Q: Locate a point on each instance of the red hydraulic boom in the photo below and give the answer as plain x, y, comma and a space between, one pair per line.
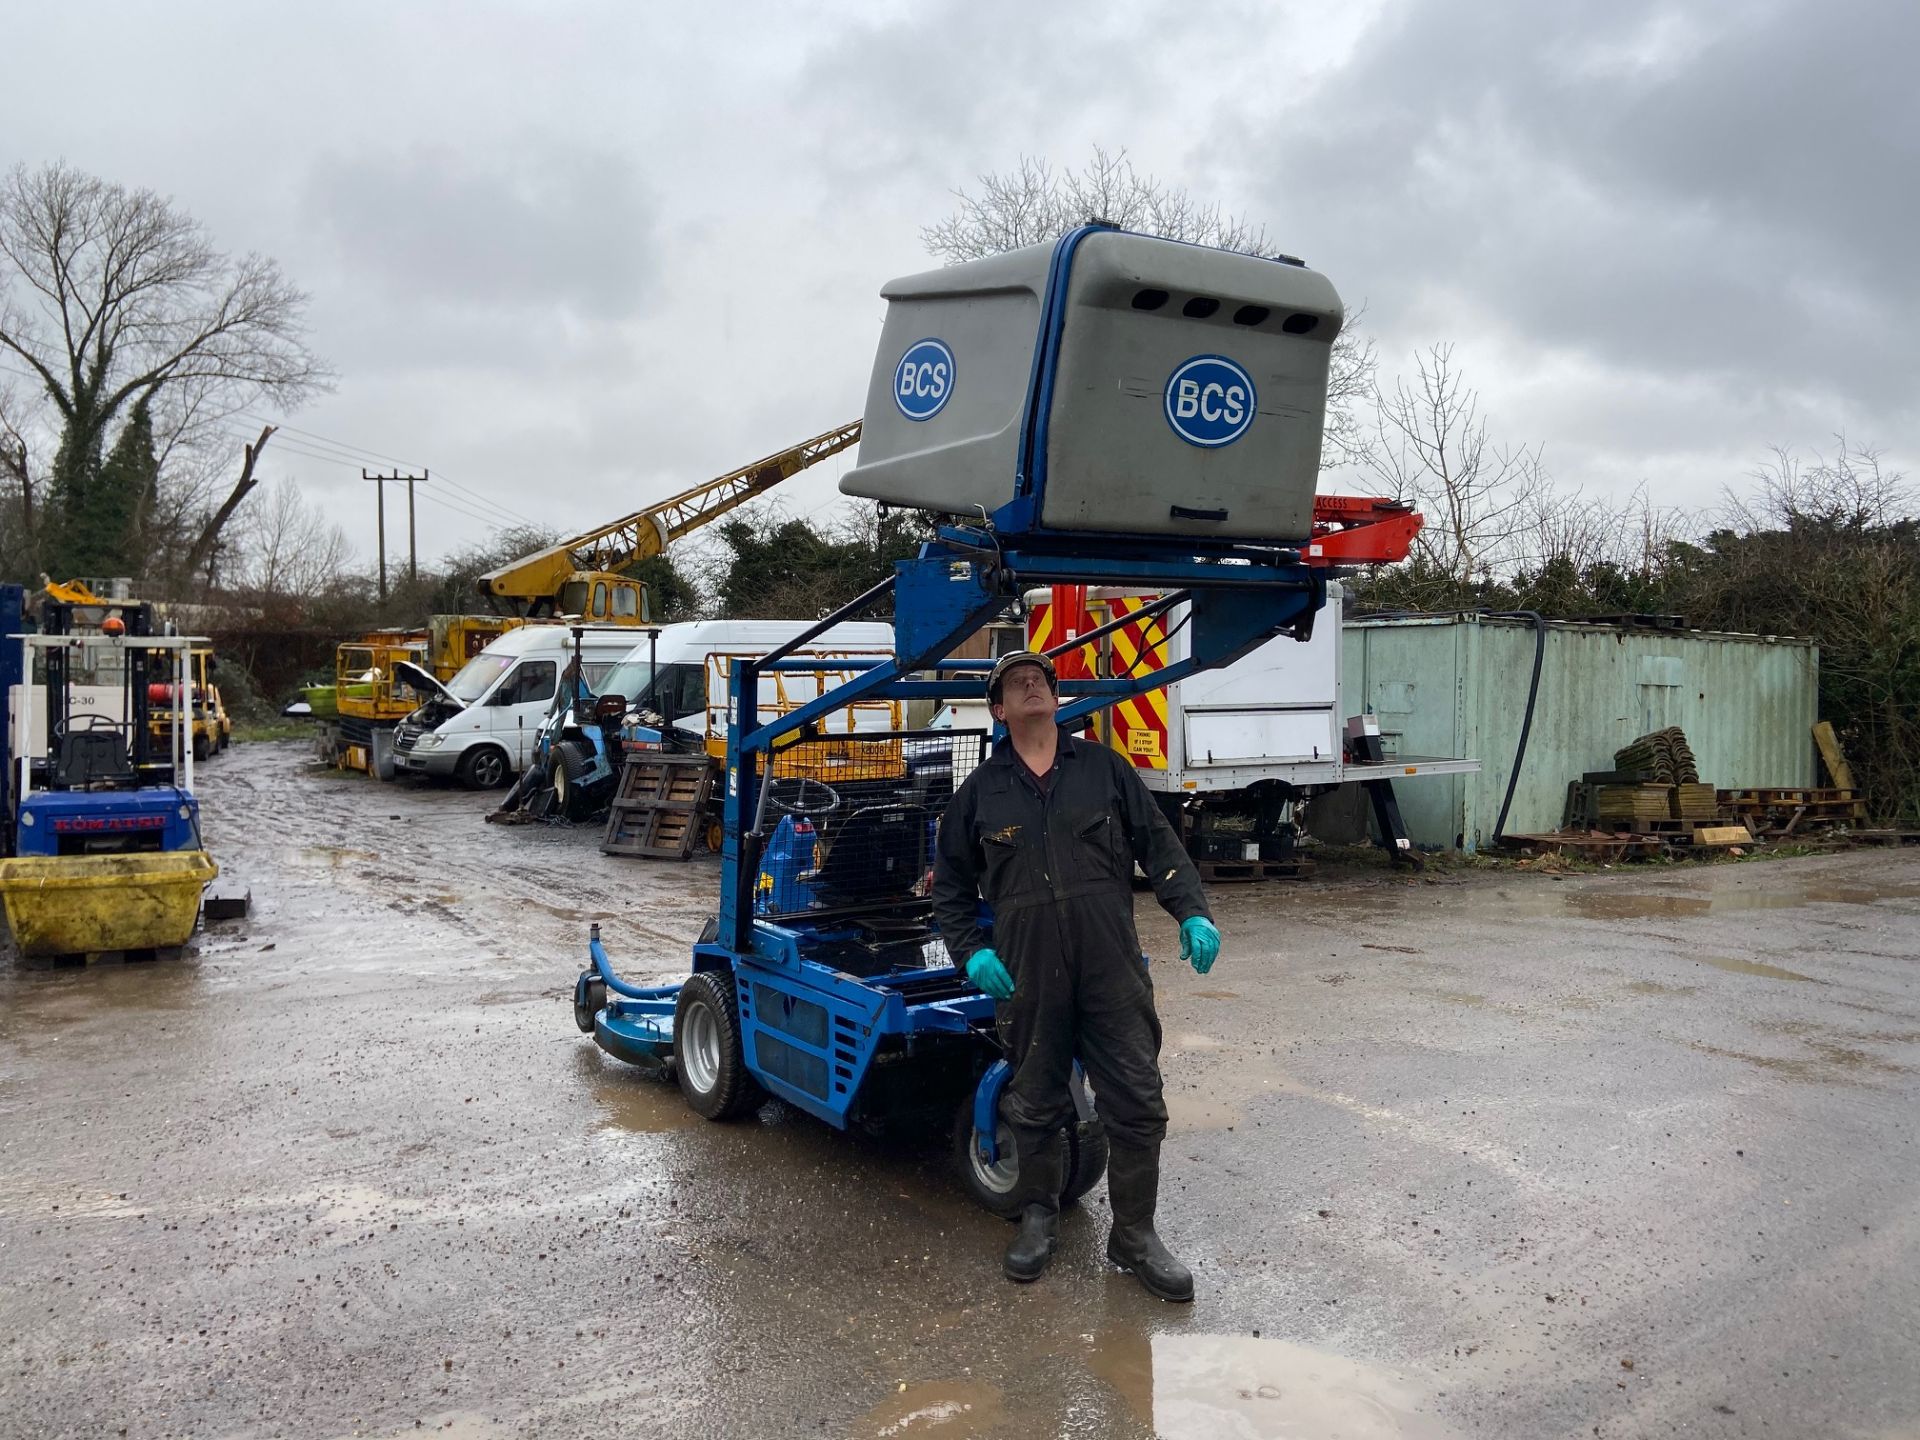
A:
1360, 530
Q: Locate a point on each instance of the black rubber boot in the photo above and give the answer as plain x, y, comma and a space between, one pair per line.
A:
1027, 1257
1042, 1172
1133, 1186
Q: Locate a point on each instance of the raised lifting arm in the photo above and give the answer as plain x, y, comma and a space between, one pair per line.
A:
608, 550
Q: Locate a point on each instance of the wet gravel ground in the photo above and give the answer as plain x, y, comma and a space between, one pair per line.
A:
1490, 1154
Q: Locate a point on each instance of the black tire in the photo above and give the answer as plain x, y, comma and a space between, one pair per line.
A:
589, 999
1086, 1159
570, 762
484, 768
993, 1187
709, 1060
200, 749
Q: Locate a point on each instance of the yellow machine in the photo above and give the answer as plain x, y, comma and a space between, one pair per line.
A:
585, 576
212, 729
582, 577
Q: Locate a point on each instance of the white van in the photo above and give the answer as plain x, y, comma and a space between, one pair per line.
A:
683, 674
480, 726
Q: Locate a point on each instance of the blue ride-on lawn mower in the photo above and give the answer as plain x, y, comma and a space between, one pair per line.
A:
1112, 410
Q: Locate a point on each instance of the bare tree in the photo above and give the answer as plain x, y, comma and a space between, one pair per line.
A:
287, 547
1851, 491
1034, 203
112, 297
1430, 446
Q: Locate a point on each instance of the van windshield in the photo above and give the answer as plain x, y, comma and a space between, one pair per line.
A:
476, 675
629, 678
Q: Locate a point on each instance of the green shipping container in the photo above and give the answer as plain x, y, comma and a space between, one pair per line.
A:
1457, 685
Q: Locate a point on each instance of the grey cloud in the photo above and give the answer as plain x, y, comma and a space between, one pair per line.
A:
1697, 189
556, 225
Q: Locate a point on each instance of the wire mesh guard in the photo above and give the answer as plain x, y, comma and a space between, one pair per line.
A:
849, 825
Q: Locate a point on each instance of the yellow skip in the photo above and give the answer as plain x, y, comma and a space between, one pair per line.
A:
78, 904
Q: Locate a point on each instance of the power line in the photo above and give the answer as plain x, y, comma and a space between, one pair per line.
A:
363, 451
296, 447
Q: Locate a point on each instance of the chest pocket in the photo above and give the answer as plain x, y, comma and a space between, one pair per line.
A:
1099, 849
1009, 868
1011, 845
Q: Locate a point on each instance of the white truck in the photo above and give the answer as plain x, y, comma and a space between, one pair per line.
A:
1231, 753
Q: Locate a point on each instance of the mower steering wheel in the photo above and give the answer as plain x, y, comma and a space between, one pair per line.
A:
803, 796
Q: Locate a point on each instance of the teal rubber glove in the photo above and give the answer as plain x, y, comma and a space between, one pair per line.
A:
986, 971
1199, 943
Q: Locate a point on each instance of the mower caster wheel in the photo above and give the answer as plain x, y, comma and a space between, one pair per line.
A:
589, 999
708, 1058
995, 1187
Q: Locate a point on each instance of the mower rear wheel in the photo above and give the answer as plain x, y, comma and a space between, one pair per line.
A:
709, 1059
1087, 1152
589, 999
570, 762
995, 1187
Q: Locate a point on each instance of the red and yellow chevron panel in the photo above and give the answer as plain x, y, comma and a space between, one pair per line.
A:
1139, 725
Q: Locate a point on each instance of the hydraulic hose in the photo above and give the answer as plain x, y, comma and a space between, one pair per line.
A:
1526, 722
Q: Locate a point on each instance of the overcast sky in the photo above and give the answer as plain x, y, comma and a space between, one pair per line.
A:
574, 257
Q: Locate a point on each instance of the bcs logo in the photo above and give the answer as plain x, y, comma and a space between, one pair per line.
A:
923, 380
1210, 401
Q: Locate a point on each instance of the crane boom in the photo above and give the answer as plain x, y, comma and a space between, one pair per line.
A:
536, 580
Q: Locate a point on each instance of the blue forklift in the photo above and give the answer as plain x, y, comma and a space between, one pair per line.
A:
1111, 409
101, 840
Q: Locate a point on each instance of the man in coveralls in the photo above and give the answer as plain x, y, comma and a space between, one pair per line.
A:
1048, 828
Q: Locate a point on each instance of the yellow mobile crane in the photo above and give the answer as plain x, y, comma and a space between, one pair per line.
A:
585, 576
582, 577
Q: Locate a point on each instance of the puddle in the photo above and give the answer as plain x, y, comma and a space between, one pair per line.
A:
936, 1407
1197, 1112
339, 854
1601, 904
1215, 994
1830, 1062
1192, 1040
1654, 987
1239, 1387
635, 1103
562, 913
1749, 967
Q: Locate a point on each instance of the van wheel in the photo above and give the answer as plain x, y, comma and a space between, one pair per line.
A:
483, 768
570, 762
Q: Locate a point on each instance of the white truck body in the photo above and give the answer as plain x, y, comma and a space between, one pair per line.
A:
1276, 713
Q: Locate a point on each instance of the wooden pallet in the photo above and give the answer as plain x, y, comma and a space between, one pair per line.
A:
659, 811
1884, 836
1782, 812
1800, 795
1591, 845
1228, 872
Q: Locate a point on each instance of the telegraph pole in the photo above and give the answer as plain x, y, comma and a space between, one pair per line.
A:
413, 567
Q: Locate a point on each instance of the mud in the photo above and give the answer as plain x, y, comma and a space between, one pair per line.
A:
1492, 1155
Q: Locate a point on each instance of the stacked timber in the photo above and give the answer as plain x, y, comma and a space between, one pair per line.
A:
1696, 802
1615, 803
